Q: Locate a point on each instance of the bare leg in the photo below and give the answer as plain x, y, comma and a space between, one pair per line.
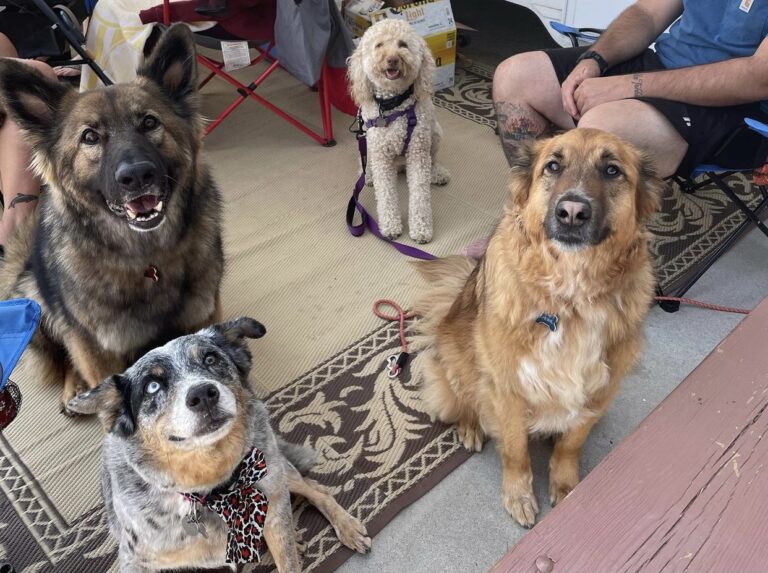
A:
643, 125
526, 96
18, 184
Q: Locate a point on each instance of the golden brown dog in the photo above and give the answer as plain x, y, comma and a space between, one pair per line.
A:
535, 337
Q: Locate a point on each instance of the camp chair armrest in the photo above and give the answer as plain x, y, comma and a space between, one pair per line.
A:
587, 35
757, 126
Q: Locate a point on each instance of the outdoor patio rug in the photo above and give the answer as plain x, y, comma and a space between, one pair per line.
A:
686, 229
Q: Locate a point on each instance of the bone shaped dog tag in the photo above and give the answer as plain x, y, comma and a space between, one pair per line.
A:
190, 527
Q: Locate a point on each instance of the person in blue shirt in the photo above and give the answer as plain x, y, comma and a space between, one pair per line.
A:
679, 100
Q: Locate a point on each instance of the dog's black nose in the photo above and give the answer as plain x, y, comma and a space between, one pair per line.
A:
134, 176
573, 212
393, 61
202, 396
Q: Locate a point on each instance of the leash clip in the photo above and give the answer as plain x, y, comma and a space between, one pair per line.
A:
360, 131
396, 363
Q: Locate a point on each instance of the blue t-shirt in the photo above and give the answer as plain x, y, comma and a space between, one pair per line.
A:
713, 30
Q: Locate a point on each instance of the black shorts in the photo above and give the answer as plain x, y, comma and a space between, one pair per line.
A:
707, 130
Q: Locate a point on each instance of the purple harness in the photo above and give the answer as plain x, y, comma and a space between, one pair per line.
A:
366, 220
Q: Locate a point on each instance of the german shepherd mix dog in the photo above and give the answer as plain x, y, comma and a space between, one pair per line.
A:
535, 337
184, 418
127, 252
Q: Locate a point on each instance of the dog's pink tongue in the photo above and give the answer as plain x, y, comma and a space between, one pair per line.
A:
143, 204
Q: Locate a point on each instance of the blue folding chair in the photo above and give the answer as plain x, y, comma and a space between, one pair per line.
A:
702, 176
18, 320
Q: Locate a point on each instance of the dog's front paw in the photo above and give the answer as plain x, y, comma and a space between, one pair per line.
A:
392, 230
67, 411
353, 534
523, 507
563, 477
68, 404
471, 435
421, 235
559, 491
440, 175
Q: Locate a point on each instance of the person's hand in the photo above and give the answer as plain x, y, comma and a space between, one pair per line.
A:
584, 70
595, 91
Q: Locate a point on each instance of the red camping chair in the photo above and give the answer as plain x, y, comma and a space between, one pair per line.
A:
262, 39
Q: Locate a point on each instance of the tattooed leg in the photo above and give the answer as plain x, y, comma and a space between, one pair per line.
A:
18, 184
517, 122
22, 198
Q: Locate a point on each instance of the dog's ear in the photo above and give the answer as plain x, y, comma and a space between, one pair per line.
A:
230, 337
649, 189
521, 162
31, 100
360, 87
172, 66
111, 400
424, 85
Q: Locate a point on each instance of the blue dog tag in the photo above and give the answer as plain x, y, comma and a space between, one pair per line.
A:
548, 320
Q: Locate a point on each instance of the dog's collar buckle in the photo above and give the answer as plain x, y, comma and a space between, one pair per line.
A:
390, 103
549, 320
151, 272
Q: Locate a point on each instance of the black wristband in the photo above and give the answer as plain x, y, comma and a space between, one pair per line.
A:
593, 55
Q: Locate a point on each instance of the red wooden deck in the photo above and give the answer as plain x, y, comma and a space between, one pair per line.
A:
686, 491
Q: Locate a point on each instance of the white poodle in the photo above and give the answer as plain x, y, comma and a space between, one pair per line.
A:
391, 74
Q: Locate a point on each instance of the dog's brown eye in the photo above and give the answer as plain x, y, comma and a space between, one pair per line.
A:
612, 171
90, 137
553, 167
149, 122
211, 359
402, 44
379, 45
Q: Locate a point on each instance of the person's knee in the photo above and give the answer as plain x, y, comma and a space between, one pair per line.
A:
516, 75
7, 49
43, 68
603, 117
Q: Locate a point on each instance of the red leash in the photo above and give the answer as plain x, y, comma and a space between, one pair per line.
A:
396, 362
700, 304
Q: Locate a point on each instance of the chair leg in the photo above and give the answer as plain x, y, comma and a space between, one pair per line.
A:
750, 214
325, 106
667, 305
736, 234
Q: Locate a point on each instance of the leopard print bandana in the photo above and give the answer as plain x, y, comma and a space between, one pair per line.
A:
243, 508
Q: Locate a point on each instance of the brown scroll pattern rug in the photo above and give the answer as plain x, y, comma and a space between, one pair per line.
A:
687, 228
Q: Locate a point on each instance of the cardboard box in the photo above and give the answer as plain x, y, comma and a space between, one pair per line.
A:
432, 20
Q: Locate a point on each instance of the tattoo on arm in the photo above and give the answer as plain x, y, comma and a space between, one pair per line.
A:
517, 123
22, 198
637, 83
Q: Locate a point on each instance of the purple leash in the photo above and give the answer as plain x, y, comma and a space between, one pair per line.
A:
366, 220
